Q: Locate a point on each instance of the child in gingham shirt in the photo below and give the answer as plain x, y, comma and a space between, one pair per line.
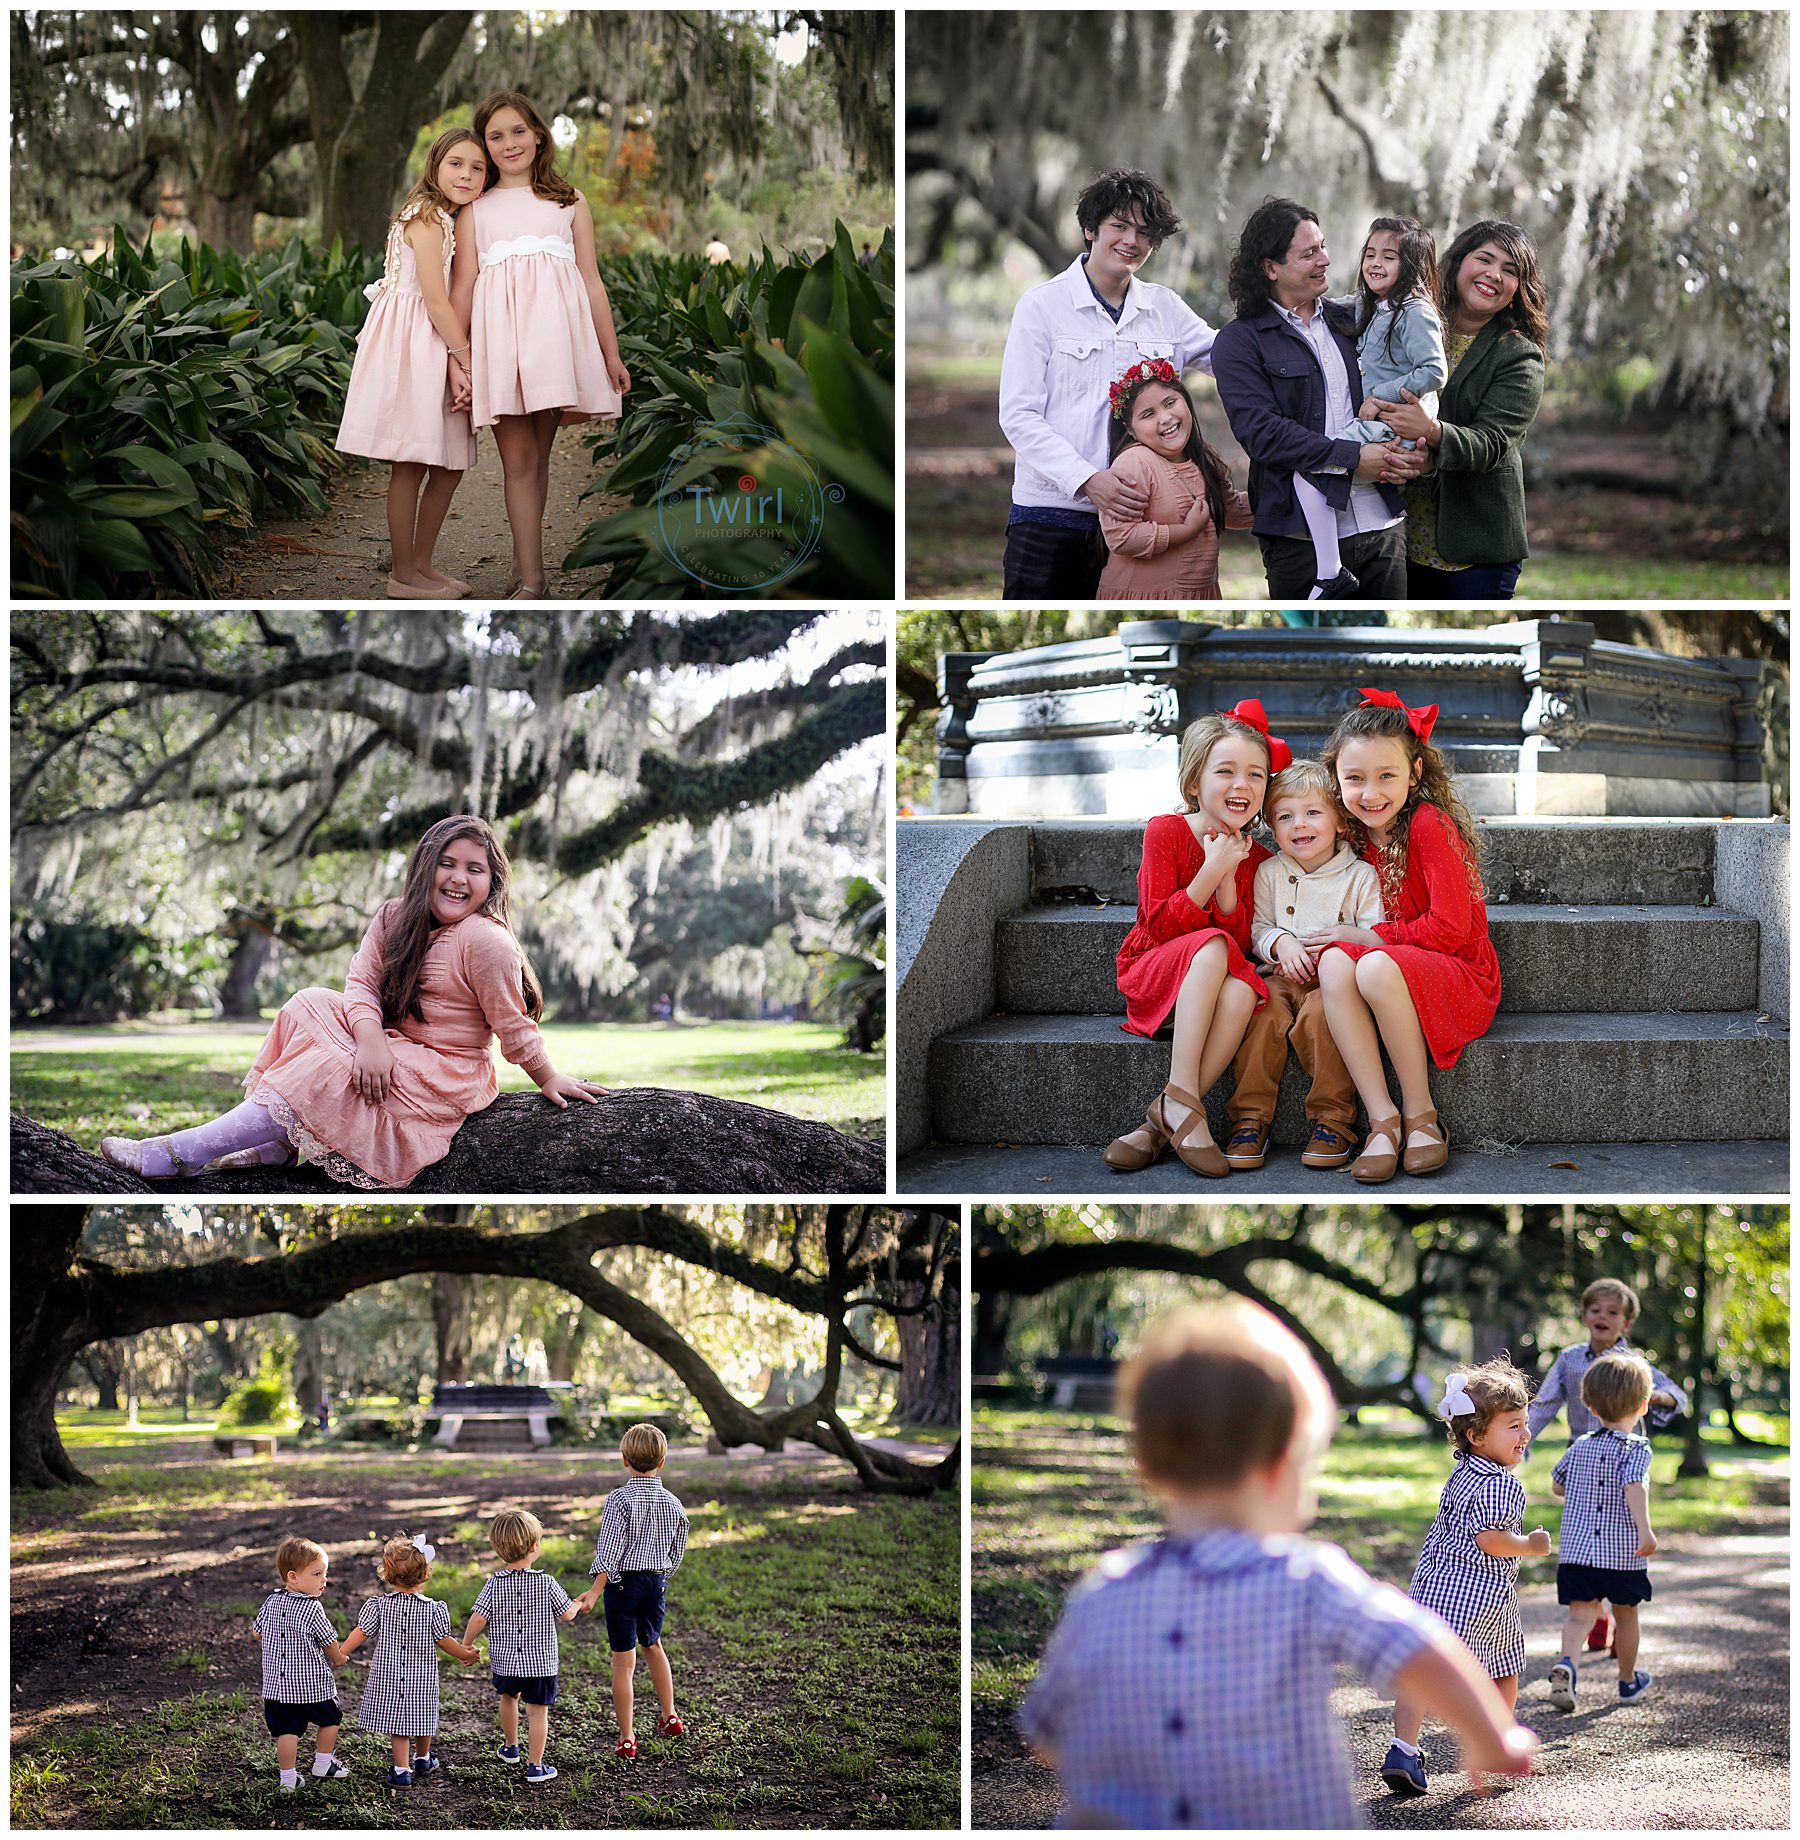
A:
401, 1698
1189, 1681
299, 1650
643, 1533
1604, 1481
1468, 1570
520, 1608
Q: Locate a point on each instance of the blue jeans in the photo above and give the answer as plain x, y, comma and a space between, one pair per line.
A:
1486, 581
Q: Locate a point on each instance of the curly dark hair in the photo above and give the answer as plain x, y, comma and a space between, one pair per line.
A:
1125, 189
1267, 233
1528, 313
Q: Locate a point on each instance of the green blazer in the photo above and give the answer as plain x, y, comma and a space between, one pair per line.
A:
1486, 408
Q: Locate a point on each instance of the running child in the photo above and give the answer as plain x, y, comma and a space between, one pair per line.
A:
299, 1650
1185, 958
1468, 1570
372, 1083
1189, 1681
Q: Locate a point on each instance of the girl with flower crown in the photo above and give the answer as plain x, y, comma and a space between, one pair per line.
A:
1170, 550
1468, 1570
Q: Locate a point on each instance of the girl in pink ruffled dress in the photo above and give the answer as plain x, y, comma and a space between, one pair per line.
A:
372, 1083
527, 286
408, 400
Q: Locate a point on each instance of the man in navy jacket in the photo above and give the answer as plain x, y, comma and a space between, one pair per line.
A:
1290, 385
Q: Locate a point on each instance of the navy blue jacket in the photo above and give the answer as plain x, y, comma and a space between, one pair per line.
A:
1273, 394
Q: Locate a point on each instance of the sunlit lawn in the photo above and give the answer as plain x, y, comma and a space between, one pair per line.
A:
1052, 1492
82, 1081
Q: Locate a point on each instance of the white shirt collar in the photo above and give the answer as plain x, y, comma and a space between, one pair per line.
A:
1081, 293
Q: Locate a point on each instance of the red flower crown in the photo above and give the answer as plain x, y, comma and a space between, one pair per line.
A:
1151, 370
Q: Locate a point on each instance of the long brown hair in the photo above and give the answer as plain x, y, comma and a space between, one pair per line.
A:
410, 928
1215, 477
1435, 785
1527, 313
427, 192
1418, 273
546, 181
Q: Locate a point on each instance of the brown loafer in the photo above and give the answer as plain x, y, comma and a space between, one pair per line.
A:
1248, 1145
1328, 1147
1203, 1159
1379, 1165
1427, 1157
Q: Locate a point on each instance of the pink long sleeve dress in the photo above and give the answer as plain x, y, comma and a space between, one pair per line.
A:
1140, 563
471, 991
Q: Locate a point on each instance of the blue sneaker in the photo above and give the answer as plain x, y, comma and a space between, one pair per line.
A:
426, 1765
1562, 1685
398, 1779
1403, 1772
540, 1772
1636, 1686
509, 1753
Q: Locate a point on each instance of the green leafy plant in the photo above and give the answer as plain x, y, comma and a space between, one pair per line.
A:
853, 978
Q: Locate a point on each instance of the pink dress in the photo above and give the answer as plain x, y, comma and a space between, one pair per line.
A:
532, 325
398, 403
471, 990
1140, 564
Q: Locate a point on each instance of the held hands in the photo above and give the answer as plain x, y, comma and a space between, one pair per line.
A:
461, 389
372, 1069
465, 1652
1340, 936
560, 1088
1539, 1541
1123, 498
1410, 421
1296, 962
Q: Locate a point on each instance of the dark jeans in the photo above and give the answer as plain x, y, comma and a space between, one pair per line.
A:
1049, 564
1377, 558
1486, 581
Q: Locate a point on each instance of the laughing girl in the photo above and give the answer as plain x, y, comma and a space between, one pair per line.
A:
373, 1084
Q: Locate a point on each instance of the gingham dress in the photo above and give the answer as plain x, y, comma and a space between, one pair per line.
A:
1475, 1592
294, 1628
1189, 1682
1597, 1528
401, 1699
521, 1609
643, 1528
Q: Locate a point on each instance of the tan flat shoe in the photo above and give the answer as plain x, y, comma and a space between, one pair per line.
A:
1379, 1165
1127, 1157
1203, 1159
1427, 1157
407, 591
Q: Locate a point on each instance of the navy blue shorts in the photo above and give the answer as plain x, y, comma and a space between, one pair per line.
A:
533, 1689
634, 1610
285, 1721
1587, 1584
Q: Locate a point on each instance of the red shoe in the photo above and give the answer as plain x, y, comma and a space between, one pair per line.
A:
626, 1748
671, 1727
1597, 1636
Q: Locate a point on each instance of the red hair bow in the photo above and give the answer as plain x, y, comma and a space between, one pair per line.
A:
1250, 713
1420, 721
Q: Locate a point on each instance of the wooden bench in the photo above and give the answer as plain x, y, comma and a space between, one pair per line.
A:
245, 1444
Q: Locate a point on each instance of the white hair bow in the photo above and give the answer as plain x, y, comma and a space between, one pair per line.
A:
1456, 1401
425, 1546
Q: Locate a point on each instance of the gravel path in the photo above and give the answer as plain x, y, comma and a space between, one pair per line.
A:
343, 556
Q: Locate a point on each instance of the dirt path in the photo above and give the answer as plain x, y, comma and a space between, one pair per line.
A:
343, 556
1707, 1747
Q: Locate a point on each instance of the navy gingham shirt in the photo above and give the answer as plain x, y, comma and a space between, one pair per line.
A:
1189, 1682
1597, 1528
294, 1629
643, 1528
1562, 1385
522, 1608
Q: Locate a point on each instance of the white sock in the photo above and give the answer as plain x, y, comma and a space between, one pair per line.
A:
290, 1779
1412, 1750
1321, 526
322, 1762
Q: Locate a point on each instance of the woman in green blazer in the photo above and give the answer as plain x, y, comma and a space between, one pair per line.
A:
1465, 520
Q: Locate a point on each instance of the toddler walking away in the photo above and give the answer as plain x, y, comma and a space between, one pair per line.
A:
401, 1698
1609, 1307
643, 1533
1399, 346
1189, 1681
1185, 957
373, 1083
1603, 1479
1169, 551
520, 1608
1314, 879
299, 1650
1424, 982
1468, 1570
527, 288
408, 399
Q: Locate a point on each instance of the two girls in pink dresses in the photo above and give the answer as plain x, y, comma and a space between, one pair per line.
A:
506, 326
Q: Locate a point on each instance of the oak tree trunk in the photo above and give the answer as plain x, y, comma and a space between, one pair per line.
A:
450, 1314
930, 1371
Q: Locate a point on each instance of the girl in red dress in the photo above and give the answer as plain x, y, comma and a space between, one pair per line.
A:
1425, 981
1186, 957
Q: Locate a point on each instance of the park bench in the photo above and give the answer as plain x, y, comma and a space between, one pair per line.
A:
1079, 1382
245, 1444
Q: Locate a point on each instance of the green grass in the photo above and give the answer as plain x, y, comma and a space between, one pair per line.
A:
81, 1081
814, 1633
85, 1427
1052, 1492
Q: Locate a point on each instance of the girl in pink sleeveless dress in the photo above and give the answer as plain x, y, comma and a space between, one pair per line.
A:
372, 1082
408, 400
527, 286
